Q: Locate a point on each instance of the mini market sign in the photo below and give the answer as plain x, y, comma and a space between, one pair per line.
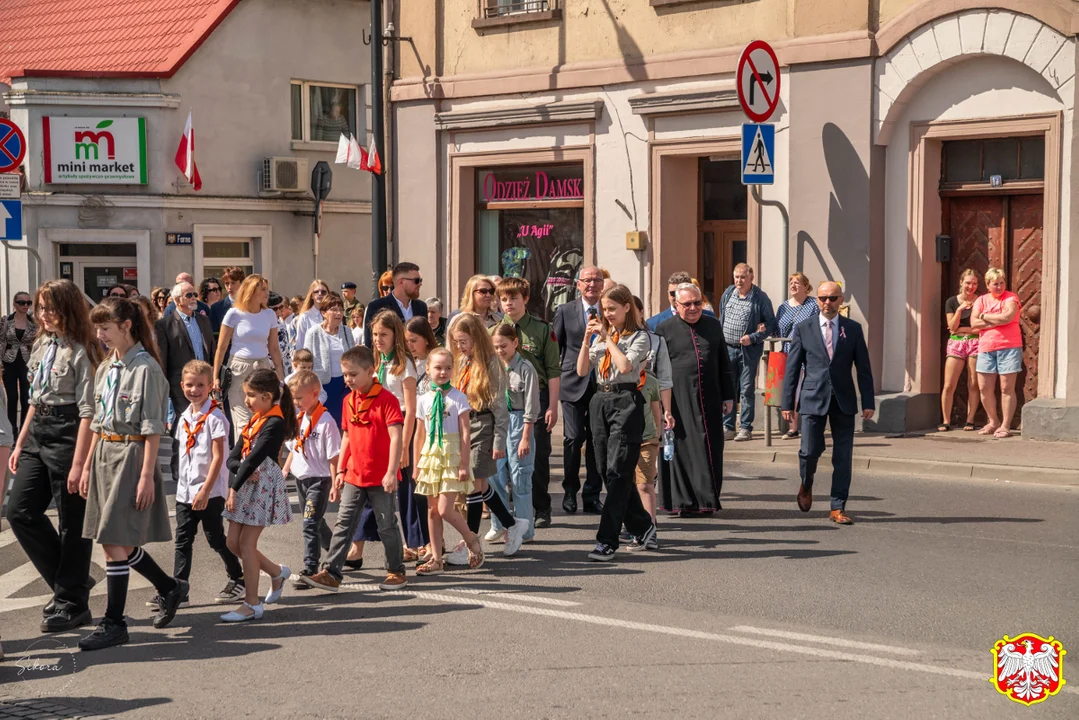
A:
95, 151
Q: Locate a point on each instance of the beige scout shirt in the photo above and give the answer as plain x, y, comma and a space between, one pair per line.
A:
523, 387
69, 382
141, 402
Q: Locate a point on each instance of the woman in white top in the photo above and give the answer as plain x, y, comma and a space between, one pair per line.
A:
327, 342
310, 314
251, 330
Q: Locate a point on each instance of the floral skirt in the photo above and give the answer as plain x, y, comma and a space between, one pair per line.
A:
437, 471
263, 500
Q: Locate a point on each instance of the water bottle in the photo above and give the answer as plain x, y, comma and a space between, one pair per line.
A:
668, 444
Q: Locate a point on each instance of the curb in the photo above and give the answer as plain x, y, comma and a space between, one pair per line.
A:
933, 468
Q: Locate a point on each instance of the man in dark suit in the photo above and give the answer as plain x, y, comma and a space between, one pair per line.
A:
576, 392
182, 337
829, 346
404, 300
231, 279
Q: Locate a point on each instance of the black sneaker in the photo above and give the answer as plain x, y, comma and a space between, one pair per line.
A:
107, 634
155, 602
642, 542
233, 592
626, 536
170, 603
602, 553
65, 620
543, 519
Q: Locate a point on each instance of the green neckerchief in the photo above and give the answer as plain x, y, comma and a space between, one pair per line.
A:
438, 410
509, 402
382, 365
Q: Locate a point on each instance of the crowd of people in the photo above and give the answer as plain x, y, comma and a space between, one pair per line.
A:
407, 416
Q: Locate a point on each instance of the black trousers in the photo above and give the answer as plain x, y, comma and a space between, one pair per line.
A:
842, 450
17, 387
62, 557
213, 526
617, 425
541, 473
578, 433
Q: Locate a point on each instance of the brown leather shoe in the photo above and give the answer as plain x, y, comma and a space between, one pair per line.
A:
840, 518
805, 498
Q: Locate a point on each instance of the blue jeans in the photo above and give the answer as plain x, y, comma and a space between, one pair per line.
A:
516, 473
745, 371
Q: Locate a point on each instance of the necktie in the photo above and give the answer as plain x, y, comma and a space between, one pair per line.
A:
41, 377
828, 338
112, 387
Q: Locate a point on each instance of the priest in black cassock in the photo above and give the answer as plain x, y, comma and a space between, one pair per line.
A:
704, 389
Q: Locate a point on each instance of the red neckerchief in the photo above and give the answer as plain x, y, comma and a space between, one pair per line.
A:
192, 435
605, 363
302, 438
356, 415
254, 425
465, 377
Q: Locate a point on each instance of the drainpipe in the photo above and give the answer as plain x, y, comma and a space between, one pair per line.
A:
7, 268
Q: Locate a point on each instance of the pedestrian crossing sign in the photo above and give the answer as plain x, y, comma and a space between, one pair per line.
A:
758, 153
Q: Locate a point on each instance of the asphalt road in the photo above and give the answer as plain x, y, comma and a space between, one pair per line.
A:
760, 612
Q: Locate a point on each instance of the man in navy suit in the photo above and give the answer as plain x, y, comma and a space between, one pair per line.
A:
404, 300
828, 346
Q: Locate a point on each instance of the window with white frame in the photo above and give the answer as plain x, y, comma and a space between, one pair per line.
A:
322, 112
221, 253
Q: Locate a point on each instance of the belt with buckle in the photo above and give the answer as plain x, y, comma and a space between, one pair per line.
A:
68, 410
609, 387
109, 437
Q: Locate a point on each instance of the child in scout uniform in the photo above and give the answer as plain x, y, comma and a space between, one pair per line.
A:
312, 463
647, 462
125, 495
203, 479
522, 399
538, 346
52, 448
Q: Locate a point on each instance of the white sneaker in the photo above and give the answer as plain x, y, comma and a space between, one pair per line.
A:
457, 556
743, 435
495, 536
515, 536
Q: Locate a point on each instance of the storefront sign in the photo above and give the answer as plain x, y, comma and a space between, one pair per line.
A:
537, 185
178, 238
536, 231
131, 274
101, 151
104, 281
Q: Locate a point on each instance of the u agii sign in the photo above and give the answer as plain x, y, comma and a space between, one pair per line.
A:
98, 151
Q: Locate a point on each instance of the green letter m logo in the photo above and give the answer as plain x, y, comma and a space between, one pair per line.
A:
83, 151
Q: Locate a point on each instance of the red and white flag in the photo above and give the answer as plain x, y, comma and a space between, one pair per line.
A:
350, 153
185, 156
372, 162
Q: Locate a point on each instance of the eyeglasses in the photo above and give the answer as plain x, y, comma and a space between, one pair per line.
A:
485, 291
320, 291
692, 303
24, 303
829, 298
47, 310
417, 280
592, 281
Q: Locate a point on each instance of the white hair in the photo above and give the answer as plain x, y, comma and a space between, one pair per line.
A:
688, 286
178, 289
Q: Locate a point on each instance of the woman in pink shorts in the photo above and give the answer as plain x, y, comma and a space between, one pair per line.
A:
962, 350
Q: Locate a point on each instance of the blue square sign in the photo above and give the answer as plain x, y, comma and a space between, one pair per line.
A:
11, 217
758, 154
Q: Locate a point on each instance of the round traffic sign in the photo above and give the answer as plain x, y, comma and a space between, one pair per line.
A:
12, 146
758, 81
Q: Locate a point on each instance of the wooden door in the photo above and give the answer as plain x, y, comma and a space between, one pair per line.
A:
1003, 231
721, 245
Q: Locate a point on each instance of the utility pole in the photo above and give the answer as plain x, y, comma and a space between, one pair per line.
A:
378, 182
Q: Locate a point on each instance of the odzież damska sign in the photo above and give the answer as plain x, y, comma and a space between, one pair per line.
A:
531, 185
95, 151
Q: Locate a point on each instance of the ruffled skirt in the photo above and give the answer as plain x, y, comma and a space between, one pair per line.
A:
263, 500
437, 471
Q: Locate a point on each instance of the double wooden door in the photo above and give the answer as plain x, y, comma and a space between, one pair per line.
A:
1002, 231
721, 244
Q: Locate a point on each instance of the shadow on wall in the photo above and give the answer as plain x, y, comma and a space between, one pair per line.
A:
848, 207
627, 47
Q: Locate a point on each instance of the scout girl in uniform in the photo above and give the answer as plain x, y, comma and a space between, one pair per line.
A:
124, 491
51, 450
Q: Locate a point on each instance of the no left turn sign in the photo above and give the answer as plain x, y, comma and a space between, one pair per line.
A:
758, 81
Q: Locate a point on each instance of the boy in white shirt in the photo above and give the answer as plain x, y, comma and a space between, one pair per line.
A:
304, 360
312, 464
203, 480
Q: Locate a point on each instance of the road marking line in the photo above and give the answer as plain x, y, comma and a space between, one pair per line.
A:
371, 587
839, 642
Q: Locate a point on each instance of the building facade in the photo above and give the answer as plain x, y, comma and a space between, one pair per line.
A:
536, 136
270, 85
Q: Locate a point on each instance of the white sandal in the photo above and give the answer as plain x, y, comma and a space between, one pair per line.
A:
236, 616
275, 593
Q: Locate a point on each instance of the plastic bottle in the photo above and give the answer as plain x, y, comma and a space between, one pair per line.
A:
668, 444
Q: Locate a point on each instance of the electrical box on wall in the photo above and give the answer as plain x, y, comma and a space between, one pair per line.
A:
636, 240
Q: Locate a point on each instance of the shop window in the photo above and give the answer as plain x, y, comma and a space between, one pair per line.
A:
501, 8
977, 161
530, 224
323, 112
723, 196
220, 254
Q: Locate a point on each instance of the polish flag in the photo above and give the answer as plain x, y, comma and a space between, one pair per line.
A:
350, 153
372, 161
185, 156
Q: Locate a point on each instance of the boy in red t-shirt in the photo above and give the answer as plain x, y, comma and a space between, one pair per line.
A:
370, 457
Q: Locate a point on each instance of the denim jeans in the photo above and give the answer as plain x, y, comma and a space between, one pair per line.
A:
745, 371
516, 473
314, 495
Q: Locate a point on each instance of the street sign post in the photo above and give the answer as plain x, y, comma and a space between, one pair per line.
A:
10, 186
758, 81
12, 146
11, 219
758, 154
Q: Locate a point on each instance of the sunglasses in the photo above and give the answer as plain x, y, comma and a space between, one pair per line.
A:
213, 288
119, 295
672, 293
386, 288
418, 281
189, 295
692, 303
24, 303
485, 291
829, 298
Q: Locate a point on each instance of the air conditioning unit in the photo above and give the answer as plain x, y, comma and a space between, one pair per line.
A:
285, 174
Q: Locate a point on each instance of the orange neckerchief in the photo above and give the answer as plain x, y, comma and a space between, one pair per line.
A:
302, 437
356, 415
192, 435
465, 377
605, 363
254, 425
